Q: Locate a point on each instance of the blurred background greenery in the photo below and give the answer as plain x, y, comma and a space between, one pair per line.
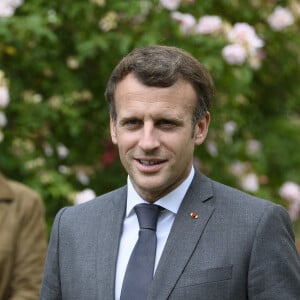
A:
55, 59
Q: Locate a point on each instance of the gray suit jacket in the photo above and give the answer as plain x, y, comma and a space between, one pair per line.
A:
240, 247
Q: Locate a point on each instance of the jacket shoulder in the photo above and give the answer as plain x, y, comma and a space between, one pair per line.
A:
100, 205
236, 197
20, 190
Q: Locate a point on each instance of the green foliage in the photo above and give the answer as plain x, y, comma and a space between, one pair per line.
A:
57, 57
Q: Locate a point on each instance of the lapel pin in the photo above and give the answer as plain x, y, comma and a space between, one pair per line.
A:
194, 215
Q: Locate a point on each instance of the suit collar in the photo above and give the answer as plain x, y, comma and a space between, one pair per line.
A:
201, 188
184, 236
6, 194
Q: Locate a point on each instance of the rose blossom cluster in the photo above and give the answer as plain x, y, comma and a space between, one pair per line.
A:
244, 45
4, 101
280, 18
205, 25
8, 7
290, 191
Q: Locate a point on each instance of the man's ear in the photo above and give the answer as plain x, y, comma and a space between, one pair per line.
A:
113, 132
201, 129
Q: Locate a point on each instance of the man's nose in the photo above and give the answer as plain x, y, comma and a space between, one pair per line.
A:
149, 139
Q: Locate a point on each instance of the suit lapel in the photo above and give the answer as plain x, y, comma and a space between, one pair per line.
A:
184, 236
6, 199
110, 229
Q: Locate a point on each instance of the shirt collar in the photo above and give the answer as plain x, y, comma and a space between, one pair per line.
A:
171, 201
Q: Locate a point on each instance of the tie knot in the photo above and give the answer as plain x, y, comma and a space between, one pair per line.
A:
147, 215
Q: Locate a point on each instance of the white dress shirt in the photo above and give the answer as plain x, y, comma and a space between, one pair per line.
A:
171, 202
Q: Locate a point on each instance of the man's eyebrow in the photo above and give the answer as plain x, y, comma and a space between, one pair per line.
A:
123, 120
169, 119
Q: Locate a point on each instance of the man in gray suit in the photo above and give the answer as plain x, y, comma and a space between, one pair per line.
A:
213, 242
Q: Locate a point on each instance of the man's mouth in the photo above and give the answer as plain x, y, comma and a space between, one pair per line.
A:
150, 162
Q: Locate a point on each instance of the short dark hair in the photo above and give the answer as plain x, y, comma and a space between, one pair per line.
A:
162, 66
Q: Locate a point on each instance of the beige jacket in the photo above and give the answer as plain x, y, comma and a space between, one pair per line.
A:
23, 241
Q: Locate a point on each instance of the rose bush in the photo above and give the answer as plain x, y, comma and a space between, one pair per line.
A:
57, 56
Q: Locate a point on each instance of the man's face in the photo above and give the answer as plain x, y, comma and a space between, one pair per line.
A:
155, 135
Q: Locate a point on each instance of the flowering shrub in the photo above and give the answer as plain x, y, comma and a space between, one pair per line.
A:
55, 61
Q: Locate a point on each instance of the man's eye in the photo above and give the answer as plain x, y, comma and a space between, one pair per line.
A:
167, 124
131, 123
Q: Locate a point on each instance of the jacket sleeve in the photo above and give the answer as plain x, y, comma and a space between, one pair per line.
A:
30, 249
274, 270
51, 288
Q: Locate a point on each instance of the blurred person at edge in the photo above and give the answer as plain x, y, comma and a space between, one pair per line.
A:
213, 242
23, 241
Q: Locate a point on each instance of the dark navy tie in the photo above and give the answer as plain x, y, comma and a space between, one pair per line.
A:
140, 268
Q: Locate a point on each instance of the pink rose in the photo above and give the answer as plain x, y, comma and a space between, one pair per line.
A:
290, 191
280, 18
250, 182
243, 33
186, 21
170, 4
209, 24
234, 54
